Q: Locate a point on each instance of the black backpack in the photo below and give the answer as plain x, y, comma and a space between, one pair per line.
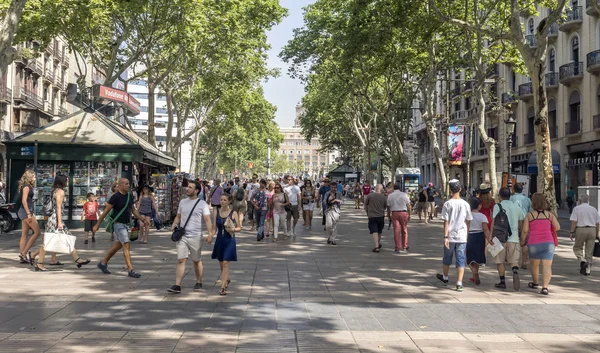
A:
239, 195
501, 229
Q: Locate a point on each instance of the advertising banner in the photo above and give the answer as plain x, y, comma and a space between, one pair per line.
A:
456, 136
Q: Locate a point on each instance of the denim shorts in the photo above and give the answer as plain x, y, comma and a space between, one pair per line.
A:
541, 251
461, 254
122, 232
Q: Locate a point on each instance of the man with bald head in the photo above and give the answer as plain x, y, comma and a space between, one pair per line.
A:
375, 205
585, 228
117, 203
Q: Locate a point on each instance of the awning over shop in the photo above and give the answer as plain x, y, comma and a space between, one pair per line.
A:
405, 171
532, 163
87, 136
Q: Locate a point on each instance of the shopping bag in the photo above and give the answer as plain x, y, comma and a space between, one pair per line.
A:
596, 249
60, 242
495, 248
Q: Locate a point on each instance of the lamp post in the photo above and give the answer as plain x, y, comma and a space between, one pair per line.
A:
268, 157
511, 123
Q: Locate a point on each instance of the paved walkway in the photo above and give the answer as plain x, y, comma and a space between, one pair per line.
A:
298, 295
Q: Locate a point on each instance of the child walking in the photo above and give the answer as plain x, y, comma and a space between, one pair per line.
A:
89, 215
457, 217
479, 236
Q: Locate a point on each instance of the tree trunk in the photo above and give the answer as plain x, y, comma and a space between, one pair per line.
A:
169, 142
469, 152
8, 28
429, 91
195, 153
543, 148
151, 108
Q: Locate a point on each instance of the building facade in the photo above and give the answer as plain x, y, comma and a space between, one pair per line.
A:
139, 90
573, 91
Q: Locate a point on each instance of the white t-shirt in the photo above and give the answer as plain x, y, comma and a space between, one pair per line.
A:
585, 215
456, 212
194, 227
251, 188
477, 222
293, 191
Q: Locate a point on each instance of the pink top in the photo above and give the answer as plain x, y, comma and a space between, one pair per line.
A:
540, 230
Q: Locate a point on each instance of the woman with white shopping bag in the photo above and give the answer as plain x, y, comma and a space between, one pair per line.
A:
56, 237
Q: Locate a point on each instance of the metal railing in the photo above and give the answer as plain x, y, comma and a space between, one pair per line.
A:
574, 14
34, 100
508, 98
62, 112
553, 31
552, 79
530, 39
573, 127
569, 70
526, 89
5, 93
593, 58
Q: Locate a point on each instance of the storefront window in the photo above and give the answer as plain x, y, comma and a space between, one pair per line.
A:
94, 177
45, 178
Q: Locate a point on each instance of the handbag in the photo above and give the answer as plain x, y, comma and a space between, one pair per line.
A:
59, 241
111, 220
287, 208
179, 232
596, 249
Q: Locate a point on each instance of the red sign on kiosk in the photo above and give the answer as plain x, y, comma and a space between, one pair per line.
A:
116, 95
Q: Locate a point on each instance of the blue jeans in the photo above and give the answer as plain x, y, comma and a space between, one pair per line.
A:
461, 254
259, 218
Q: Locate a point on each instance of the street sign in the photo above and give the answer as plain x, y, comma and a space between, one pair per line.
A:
27, 151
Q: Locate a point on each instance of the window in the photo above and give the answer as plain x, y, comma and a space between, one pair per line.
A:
161, 111
299, 152
139, 83
306, 152
575, 49
144, 109
513, 82
457, 106
291, 152
139, 95
530, 26
552, 118
552, 60
161, 97
467, 103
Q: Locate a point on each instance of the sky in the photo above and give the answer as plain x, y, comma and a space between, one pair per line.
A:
284, 92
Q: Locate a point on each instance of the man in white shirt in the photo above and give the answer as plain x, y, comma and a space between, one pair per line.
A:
293, 192
251, 187
399, 211
585, 226
189, 216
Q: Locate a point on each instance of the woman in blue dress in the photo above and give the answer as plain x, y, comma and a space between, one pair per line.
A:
228, 222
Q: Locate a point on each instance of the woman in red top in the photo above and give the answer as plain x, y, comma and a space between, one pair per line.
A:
487, 202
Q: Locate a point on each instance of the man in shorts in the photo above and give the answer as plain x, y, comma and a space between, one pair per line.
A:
117, 203
511, 253
375, 205
189, 216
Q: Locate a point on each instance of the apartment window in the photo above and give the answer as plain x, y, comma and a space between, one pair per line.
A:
552, 118
530, 125
530, 26
144, 109
574, 109
161, 97
467, 103
513, 82
552, 60
139, 95
161, 111
139, 83
575, 49
457, 105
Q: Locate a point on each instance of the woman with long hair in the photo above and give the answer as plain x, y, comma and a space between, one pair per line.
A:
334, 202
269, 221
357, 194
26, 214
145, 205
487, 202
537, 236
55, 221
228, 223
309, 195
280, 200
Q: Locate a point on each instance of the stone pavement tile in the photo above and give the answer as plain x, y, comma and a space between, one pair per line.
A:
315, 341
267, 341
38, 336
431, 345
148, 345
17, 346
383, 336
500, 338
376, 345
82, 345
97, 335
4, 336
436, 336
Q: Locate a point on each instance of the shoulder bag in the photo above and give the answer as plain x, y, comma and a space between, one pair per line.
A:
111, 220
179, 232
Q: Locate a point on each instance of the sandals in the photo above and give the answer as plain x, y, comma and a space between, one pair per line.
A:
544, 291
30, 258
227, 284
41, 269
534, 285
23, 259
57, 263
79, 264
223, 292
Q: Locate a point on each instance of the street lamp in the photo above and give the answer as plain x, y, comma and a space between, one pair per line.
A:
268, 157
511, 123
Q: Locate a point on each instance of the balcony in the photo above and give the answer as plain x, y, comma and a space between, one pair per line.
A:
571, 73
529, 138
49, 107
66, 59
493, 71
23, 128
50, 49
35, 66
468, 87
5, 94
553, 32
456, 90
573, 127
48, 76
593, 62
596, 122
62, 112
551, 80
526, 91
553, 131
573, 20
530, 39
58, 56
34, 101
589, 9
509, 98
461, 115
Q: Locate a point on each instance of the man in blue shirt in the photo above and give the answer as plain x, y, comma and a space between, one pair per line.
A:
525, 204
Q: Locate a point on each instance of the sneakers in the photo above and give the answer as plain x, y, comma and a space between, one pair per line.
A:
175, 289
441, 278
198, 286
459, 288
516, 280
85, 242
501, 285
582, 267
103, 268
134, 274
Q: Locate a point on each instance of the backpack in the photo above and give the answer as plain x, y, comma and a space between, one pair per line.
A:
239, 195
48, 207
501, 229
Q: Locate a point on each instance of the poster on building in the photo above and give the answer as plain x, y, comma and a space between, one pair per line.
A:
456, 134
